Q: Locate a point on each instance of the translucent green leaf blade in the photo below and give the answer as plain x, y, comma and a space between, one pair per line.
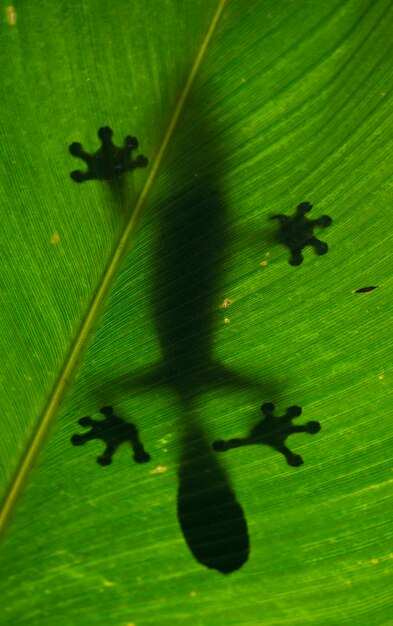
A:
207, 320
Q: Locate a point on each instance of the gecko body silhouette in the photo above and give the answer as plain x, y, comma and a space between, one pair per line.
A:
189, 255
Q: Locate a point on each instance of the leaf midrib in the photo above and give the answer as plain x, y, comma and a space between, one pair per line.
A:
63, 381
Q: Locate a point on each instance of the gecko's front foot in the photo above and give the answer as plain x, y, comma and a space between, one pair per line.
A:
109, 162
297, 232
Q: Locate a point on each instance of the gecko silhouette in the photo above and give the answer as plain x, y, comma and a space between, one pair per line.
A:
187, 285
189, 253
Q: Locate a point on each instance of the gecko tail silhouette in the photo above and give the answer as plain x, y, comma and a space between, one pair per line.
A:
212, 521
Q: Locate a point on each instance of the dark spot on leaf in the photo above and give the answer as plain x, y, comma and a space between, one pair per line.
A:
365, 289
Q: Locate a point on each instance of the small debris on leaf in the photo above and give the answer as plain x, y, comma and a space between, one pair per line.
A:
11, 16
365, 289
160, 469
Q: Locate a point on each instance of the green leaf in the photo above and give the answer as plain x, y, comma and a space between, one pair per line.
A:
168, 296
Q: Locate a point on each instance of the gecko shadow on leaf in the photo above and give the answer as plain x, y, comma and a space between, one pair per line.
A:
186, 291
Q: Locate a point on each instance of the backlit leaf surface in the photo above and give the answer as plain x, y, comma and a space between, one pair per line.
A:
205, 319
